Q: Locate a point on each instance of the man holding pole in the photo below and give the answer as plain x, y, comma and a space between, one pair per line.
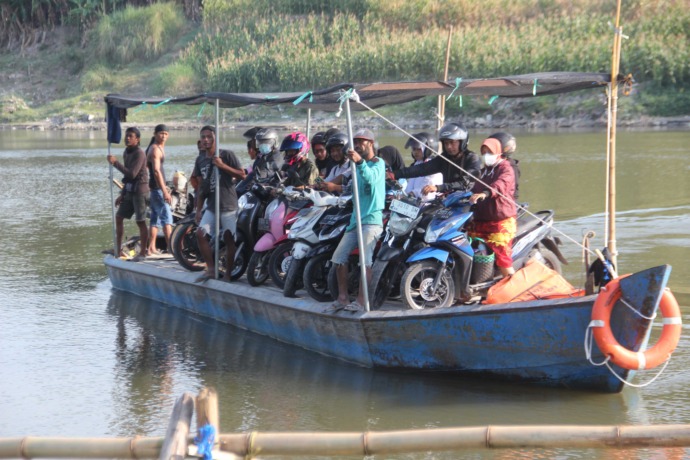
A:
229, 168
371, 186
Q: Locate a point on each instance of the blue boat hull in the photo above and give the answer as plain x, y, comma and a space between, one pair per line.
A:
539, 342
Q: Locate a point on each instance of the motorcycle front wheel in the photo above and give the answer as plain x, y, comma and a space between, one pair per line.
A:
257, 270
279, 263
315, 277
384, 279
293, 278
353, 277
184, 247
241, 261
417, 286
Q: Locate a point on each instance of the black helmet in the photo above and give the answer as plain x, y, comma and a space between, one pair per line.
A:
319, 138
455, 132
331, 132
508, 143
337, 139
425, 141
250, 134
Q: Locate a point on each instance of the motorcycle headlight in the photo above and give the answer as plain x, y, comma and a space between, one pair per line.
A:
400, 225
272, 206
433, 234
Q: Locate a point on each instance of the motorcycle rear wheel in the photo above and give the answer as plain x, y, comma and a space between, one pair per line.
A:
417, 282
279, 263
257, 270
315, 277
241, 261
185, 249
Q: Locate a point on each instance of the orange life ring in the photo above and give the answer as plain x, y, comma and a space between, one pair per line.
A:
628, 359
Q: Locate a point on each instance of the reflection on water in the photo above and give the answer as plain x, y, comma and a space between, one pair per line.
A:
80, 360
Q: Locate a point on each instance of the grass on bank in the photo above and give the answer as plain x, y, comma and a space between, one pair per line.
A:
260, 45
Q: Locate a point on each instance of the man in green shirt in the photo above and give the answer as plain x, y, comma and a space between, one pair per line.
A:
371, 187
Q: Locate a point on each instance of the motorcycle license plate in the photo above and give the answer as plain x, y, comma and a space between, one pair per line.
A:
264, 224
405, 209
444, 213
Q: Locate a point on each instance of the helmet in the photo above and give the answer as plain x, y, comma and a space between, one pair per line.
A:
337, 139
250, 134
319, 138
331, 132
455, 132
295, 141
267, 136
423, 140
507, 140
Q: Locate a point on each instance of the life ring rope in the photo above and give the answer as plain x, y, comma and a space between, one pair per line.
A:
599, 331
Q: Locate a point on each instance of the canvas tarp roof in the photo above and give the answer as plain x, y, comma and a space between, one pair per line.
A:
379, 94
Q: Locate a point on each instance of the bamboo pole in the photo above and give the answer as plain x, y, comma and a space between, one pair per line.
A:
207, 408
368, 443
441, 99
615, 65
177, 436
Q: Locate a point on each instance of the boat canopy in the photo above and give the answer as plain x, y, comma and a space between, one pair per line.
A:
379, 94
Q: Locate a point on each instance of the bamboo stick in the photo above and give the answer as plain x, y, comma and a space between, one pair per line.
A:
207, 408
442, 99
367, 443
177, 436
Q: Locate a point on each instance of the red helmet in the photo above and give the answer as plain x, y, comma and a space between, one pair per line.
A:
295, 141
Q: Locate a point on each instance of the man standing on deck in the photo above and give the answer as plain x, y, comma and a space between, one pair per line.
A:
371, 187
160, 199
229, 169
135, 190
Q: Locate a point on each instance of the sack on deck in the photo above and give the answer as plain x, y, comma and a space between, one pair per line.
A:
532, 282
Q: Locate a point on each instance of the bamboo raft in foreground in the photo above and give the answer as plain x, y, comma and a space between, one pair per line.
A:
178, 443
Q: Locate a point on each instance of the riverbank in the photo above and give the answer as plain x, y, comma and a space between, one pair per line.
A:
538, 123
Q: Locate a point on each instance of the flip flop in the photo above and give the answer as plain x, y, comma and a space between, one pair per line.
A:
354, 307
335, 307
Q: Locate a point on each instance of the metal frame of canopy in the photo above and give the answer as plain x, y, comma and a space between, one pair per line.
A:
374, 95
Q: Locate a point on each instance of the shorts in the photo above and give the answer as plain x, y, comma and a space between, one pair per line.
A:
228, 221
498, 235
133, 204
161, 214
348, 243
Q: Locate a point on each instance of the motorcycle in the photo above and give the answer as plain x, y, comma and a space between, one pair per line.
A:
330, 230
304, 235
279, 216
442, 272
403, 236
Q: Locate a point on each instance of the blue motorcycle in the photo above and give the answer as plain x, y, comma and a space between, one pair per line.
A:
442, 273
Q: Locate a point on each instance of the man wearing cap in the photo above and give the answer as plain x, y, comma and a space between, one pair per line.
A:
160, 198
371, 187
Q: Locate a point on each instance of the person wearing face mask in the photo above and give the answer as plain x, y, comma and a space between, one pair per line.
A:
269, 160
457, 163
495, 211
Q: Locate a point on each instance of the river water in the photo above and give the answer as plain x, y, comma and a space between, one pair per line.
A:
80, 359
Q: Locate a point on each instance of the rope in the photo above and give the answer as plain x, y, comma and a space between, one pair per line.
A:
477, 179
201, 110
162, 103
589, 340
308, 94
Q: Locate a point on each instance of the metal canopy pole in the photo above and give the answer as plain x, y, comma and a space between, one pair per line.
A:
216, 178
615, 64
116, 250
308, 123
358, 213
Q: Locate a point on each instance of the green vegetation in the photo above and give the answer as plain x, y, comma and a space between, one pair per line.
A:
278, 45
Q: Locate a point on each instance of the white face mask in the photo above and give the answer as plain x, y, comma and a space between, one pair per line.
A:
490, 159
265, 149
